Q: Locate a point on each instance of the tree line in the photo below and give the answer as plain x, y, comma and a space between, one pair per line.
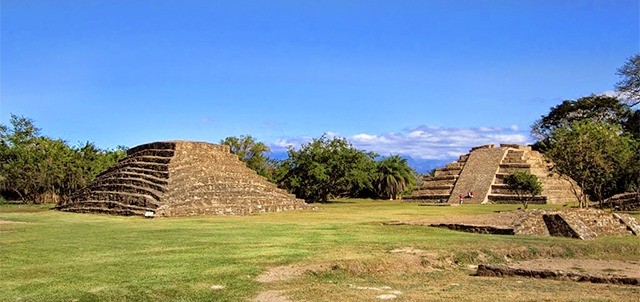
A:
328, 168
35, 168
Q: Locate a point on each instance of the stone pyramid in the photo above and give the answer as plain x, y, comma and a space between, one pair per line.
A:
482, 172
181, 178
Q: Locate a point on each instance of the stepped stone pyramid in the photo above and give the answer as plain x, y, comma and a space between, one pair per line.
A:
180, 178
482, 172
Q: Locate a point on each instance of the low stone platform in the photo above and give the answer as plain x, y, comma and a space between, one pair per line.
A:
572, 223
624, 202
579, 270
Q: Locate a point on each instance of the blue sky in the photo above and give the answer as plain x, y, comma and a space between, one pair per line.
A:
427, 79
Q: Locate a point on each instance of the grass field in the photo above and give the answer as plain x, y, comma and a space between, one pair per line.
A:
53, 256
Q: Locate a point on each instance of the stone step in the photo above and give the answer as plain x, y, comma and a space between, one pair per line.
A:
423, 191
218, 201
232, 209
153, 146
109, 204
112, 211
147, 172
444, 182
139, 182
443, 177
135, 175
508, 160
146, 159
110, 207
223, 180
437, 187
142, 200
226, 194
454, 166
509, 170
515, 165
126, 188
154, 152
447, 172
139, 165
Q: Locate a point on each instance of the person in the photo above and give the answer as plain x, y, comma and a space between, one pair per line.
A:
470, 194
461, 198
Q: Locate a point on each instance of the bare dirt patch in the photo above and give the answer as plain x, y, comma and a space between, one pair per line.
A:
272, 296
288, 272
285, 273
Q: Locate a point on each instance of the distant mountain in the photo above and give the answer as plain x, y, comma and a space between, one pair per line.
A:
422, 166
280, 155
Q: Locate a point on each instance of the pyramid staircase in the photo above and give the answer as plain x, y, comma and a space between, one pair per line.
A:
181, 179
437, 188
483, 171
556, 189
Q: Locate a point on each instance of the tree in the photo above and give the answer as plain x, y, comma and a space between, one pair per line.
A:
597, 108
629, 86
251, 153
327, 168
35, 168
597, 155
393, 177
525, 185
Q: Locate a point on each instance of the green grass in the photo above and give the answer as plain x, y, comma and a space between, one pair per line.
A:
54, 256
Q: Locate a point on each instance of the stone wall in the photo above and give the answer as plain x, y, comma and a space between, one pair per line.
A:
576, 223
572, 223
624, 202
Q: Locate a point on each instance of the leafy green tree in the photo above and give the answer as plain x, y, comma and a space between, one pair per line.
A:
597, 108
39, 169
327, 168
251, 153
629, 86
393, 177
597, 155
525, 185
632, 126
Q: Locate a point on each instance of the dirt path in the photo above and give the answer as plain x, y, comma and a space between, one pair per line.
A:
284, 273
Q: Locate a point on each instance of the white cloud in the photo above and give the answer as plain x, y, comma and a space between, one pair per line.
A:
424, 142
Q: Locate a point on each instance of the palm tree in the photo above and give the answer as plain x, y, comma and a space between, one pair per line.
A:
393, 177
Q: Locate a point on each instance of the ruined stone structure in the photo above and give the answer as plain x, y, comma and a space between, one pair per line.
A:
482, 172
623, 202
573, 223
576, 223
181, 178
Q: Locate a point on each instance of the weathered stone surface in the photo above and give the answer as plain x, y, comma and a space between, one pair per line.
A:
623, 202
478, 174
181, 179
573, 223
478, 229
501, 270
